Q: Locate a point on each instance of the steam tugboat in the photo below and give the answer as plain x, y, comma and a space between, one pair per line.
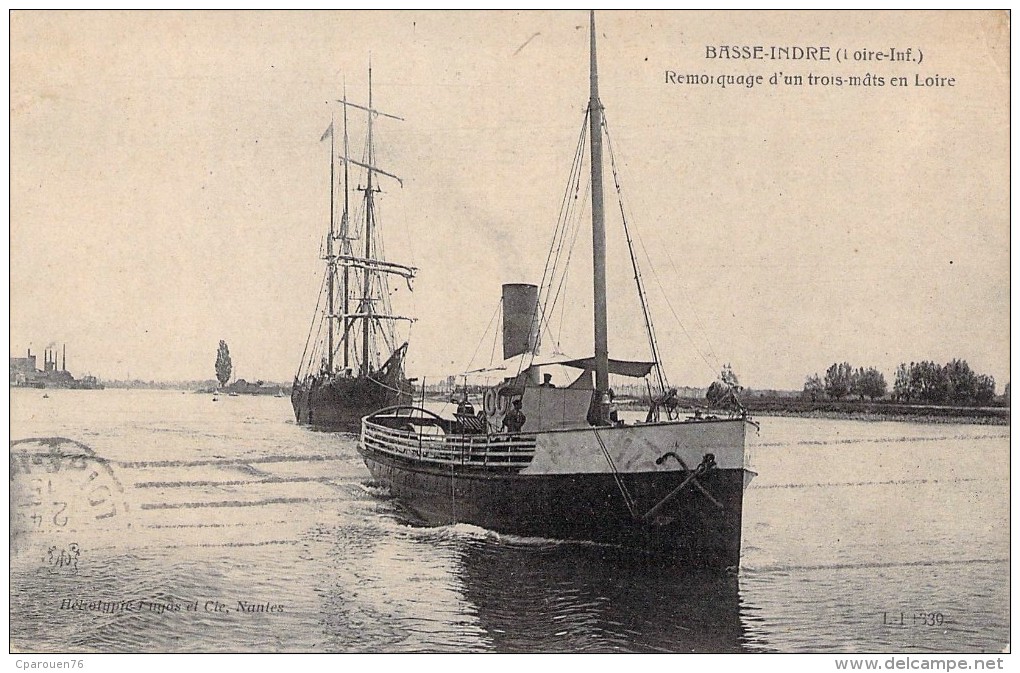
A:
556, 462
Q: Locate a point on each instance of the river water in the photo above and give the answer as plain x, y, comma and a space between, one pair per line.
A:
180, 524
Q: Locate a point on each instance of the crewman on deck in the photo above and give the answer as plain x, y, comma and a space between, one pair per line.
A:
514, 419
614, 411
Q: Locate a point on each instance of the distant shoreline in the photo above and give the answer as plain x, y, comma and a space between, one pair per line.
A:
877, 411
792, 407
961, 419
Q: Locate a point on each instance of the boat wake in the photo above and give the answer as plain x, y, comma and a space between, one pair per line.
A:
471, 532
376, 490
421, 530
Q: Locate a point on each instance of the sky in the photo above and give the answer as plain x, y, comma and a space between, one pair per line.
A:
168, 186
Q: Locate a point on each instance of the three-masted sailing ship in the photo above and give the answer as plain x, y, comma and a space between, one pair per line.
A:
352, 363
555, 462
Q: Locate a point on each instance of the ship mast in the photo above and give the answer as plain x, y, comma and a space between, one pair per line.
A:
369, 267
345, 249
367, 301
331, 259
598, 237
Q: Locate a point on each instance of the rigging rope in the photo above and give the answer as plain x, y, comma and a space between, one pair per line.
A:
495, 335
566, 265
574, 224
658, 281
380, 383
563, 242
627, 499
316, 349
389, 331
652, 342
697, 317
567, 204
559, 235
499, 305
311, 329
673, 311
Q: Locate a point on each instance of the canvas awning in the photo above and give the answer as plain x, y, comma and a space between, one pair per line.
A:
524, 361
621, 367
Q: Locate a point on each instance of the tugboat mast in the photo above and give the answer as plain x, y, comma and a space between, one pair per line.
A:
598, 234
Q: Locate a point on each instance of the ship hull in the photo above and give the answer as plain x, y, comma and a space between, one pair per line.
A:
698, 525
340, 404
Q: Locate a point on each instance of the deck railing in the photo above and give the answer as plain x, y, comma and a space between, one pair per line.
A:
510, 450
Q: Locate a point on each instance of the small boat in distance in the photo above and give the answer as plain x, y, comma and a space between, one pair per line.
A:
353, 364
555, 461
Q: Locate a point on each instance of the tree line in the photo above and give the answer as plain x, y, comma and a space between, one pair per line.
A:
922, 382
